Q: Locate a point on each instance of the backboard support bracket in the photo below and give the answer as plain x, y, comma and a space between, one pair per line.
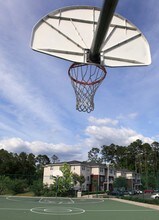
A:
104, 21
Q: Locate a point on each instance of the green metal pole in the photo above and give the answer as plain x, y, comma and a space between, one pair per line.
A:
105, 18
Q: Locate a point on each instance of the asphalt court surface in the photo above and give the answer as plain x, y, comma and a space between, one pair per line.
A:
32, 208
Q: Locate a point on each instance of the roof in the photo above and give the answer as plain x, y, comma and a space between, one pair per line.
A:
76, 162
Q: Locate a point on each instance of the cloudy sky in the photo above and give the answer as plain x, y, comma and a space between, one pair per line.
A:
37, 101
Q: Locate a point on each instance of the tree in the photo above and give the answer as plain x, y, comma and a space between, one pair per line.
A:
64, 183
41, 160
94, 155
55, 159
26, 167
146, 162
75, 178
78, 179
81, 180
120, 183
37, 187
134, 155
4, 184
155, 161
7, 163
18, 186
109, 153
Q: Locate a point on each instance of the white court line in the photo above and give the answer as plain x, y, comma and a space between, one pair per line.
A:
14, 209
40, 199
103, 210
83, 201
122, 210
66, 211
72, 200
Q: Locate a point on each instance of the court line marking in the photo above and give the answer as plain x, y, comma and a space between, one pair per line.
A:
100, 210
40, 199
122, 210
72, 211
14, 209
54, 200
72, 200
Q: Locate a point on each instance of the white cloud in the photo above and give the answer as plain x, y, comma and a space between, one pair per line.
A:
25, 104
38, 102
38, 147
14, 145
99, 134
102, 121
130, 116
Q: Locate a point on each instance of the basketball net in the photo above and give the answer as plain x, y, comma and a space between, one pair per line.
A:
85, 79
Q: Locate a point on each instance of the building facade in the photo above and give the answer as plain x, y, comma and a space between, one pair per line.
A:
98, 177
133, 179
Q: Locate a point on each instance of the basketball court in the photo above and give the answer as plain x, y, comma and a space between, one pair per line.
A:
33, 208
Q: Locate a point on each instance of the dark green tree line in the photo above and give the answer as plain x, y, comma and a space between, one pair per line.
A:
137, 156
19, 171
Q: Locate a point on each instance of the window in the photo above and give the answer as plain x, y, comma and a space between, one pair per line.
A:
111, 171
101, 170
102, 178
83, 168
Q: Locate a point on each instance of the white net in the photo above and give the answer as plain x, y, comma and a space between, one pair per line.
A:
86, 78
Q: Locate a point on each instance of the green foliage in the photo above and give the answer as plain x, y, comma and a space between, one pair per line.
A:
37, 187
18, 186
142, 200
12, 185
120, 183
65, 183
4, 184
23, 170
140, 157
55, 159
94, 155
78, 179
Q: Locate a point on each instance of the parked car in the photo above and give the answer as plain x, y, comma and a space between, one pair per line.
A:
117, 193
131, 192
155, 196
148, 191
138, 191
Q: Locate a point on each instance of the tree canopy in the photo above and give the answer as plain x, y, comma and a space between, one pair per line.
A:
27, 169
137, 156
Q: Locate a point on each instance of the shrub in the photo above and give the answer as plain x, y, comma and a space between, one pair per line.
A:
18, 186
142, 200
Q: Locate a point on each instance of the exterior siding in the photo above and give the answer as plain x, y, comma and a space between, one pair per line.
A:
97, 177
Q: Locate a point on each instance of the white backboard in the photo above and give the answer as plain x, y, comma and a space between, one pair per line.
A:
57, 173
68, 33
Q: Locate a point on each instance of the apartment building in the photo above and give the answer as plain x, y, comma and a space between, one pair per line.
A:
98, 177
133, 178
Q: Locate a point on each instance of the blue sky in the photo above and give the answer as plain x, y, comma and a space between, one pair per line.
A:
37, 101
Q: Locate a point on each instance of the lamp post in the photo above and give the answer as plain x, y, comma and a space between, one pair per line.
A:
108, 168
57, 180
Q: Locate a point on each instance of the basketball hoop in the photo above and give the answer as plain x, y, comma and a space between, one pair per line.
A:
90, 42
85, 79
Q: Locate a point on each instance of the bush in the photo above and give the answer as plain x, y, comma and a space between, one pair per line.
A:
142, 200
37, 188
18, 186
4, 184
